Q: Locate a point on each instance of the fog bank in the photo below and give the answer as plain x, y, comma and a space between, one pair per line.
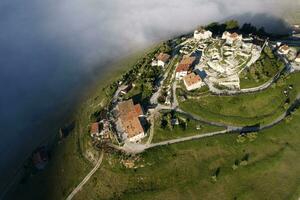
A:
47, 49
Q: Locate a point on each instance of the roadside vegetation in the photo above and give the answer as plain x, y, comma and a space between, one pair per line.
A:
172, 125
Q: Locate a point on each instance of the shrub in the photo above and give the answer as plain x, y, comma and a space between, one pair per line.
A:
252, 136
216, 174
241, 139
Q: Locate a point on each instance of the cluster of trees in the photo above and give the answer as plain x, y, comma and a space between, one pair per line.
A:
142, 73
98, 115
242, 162
148, 81
166, 121
265, 67
244, 137
163, 96
233, 25
217, 28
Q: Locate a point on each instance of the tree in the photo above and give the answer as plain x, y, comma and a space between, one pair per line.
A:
232, 25
247, 28
216, 28
261, 32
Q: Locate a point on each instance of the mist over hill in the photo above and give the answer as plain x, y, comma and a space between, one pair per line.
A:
48, 49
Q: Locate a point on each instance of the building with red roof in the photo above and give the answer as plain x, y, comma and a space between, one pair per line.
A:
184, 66
128, 119
192, 81
94, 129
231, 37
162, 59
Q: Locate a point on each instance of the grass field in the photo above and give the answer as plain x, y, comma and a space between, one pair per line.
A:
161, 134
268, 168
246, 109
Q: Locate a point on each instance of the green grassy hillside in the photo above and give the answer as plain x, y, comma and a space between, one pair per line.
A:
211, 168
247, 109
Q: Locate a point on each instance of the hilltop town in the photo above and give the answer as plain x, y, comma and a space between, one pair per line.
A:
227, 63
213, 113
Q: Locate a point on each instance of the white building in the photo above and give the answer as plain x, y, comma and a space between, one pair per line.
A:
154, 63
284, 49
202, 34
231, 37
181, 71
297, 60
184, 66
192, 81
162, 59
216, 67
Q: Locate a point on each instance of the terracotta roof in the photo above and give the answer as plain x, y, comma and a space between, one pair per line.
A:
138, 109
163, 57
284, 47
129, 117
95, 128
191, 79
132, 126
125, 107
234, 35
188, 60
201, 30
182, 67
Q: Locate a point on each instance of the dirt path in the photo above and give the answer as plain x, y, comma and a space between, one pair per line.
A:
88, 176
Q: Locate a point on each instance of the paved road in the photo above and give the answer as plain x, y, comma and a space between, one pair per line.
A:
194, 137
154, 97
152, 122
88, 176
133, 148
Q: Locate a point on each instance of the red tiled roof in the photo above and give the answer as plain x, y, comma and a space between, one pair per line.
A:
95, 128
129, 117
163, 57
284, 47
132, 126
191, 79
125, 107
188, 60
182, 67
138, 109
234, 35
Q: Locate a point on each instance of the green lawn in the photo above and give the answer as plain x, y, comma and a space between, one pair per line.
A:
184, 171
200, 91
245, 109
178, 131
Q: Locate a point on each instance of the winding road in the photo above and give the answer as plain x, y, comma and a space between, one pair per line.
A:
134, 148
